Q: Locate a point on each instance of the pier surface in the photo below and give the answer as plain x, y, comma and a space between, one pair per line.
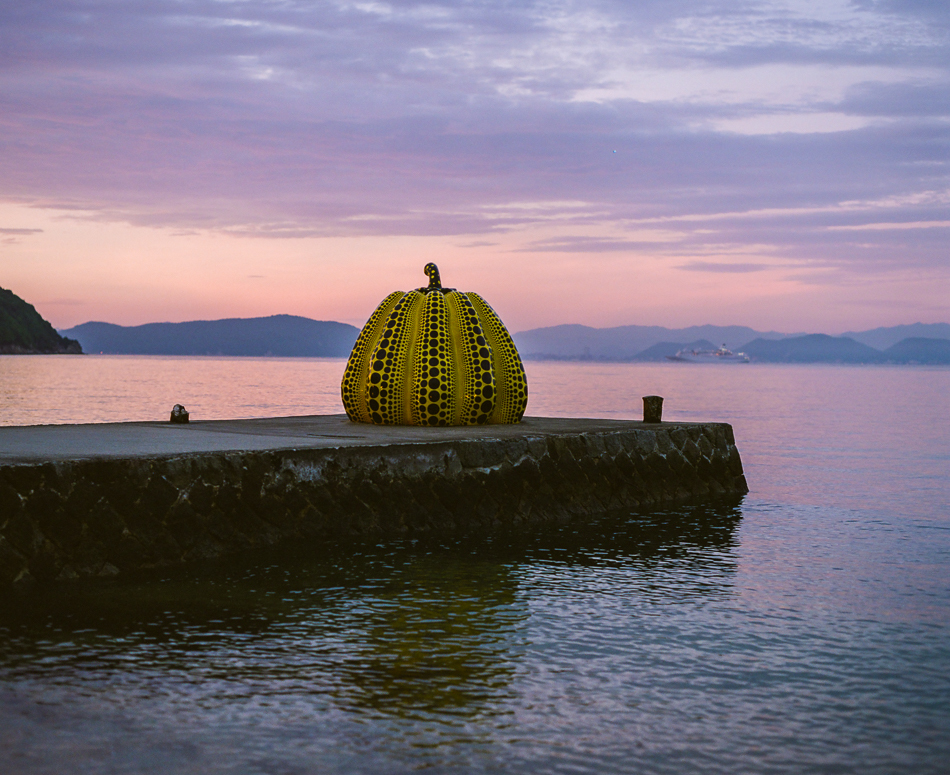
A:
99, 499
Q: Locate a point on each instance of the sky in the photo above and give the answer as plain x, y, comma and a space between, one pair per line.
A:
783, 165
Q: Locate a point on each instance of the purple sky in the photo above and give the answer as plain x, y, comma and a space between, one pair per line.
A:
776, 164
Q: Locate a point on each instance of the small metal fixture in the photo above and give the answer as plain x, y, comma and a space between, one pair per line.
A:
653, 409
180, 414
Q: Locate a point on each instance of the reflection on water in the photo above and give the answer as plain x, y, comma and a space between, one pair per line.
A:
805, 629
435, 636
418, 634
399, 622
640, 643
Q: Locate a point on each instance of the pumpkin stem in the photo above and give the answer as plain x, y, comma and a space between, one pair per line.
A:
435, 282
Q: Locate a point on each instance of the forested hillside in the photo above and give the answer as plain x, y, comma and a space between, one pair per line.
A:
23, 330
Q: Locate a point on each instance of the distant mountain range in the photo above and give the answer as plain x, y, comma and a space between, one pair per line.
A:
624, 343
813, 348
289, 335
821, 348
277, 335
882, 338
917, 343
918, 349
23, 331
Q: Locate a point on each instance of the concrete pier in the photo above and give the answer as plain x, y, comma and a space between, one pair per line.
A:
97, 500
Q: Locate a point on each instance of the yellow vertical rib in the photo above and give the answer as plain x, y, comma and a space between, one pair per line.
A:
472, 379
387, 384
511, 382
485, 380
353, 387
461, 369
434, 396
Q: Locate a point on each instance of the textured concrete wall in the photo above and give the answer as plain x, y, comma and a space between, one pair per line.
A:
68, 519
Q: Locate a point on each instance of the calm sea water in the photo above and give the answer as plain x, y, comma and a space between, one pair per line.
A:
806, 629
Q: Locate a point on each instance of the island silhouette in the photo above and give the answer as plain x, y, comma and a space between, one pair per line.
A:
23, 330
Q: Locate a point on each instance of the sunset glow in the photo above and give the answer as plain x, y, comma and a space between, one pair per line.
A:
784, 166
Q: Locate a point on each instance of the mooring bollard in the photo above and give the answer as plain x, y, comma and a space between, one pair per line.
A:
653, 409
179, 414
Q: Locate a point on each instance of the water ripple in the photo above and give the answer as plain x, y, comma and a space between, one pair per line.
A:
639, 643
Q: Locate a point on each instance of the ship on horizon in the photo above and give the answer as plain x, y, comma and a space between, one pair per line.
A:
722, 355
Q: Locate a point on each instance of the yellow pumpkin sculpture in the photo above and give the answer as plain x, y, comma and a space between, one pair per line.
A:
434, 356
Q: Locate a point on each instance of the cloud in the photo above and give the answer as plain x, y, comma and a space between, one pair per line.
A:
13, 236
584, 245
920, 100
729, 268
294, 120
900, 225
796, 123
